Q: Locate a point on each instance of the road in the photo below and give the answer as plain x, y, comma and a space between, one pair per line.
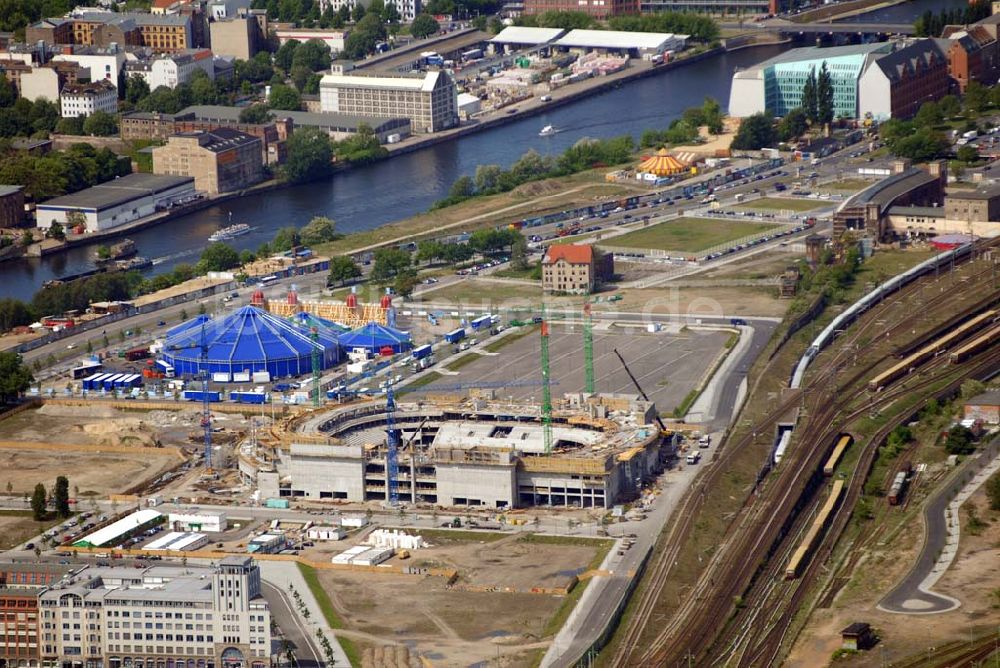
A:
913, 595
307, 654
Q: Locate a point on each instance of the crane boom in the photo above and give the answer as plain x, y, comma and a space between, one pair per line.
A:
635, 382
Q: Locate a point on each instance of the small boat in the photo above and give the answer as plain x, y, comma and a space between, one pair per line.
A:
134, 264
547, 130
230, 232
119, 251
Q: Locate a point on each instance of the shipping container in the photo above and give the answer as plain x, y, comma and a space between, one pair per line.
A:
109, 382
261, 377
276, 503
455, 336
241, 377
86, 369
248, 397
220, 377
198, 395
422, 351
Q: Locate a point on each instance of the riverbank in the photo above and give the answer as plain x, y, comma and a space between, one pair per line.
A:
830, 13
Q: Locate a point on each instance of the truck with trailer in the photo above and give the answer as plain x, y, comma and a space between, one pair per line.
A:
483, 322
86, 369
455, 336
136, 354
248, 397
165, 368
421, 352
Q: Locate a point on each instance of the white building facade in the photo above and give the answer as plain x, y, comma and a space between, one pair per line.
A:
158, 617
83, 99
172, 70
430, 101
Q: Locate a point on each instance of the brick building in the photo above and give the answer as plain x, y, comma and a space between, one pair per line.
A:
575, 269
160, 32
985, 407
152, 125
973, 55
11, 208
20, 585
220, 160
597, 8
895, 85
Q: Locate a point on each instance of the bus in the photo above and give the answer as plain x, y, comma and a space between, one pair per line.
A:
268, 280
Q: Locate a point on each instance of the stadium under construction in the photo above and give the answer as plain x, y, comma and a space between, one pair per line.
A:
474, 451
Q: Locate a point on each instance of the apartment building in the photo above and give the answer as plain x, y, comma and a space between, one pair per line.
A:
20, 584
83, 99
574, 269
157, 617
171, 70
160, 32
219, 160
429, 100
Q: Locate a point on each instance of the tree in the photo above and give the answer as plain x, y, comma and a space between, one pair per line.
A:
342, 269
810, 96
388, 263
424, 25
13, 313
100, 124
406, 281
959, 441
285, 239
967, 154
950, 106
61, 497
56, 231
284, 55
487, 178
15, 378
929, 115
218, 257
462, 187
284, 97
358, 12
70, 126
972, 388
256, 114
793, 125
977, 97
993, 491
319, 230
38, 499
756, 132
824, 96
314, 55
429, 250
921, 145
136, 88
310, 155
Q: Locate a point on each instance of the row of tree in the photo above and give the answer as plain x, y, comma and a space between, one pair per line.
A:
930, 24
60, 172
684, 130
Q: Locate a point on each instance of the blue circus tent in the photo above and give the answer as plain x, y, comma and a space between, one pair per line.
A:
187, 324
250, 339
374, 337
308, 321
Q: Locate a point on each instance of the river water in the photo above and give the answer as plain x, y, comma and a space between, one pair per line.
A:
367, 197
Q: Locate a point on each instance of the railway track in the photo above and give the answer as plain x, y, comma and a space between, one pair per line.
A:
758, 532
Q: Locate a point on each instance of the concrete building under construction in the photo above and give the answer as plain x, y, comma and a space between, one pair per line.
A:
478, 452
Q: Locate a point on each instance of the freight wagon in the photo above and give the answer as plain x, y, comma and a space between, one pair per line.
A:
843, 443
813, 536
978, 344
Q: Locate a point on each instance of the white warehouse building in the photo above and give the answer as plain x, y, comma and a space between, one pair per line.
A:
208, 522
117, 202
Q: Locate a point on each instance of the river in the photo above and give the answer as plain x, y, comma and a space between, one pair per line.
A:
367, 197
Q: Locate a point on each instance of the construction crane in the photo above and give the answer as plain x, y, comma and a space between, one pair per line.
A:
546, 386
588, 349
392, 446
663, 427
316, 364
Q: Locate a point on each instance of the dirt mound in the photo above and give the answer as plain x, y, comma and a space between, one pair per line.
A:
93, 410
386, 656
536, 188
121, 432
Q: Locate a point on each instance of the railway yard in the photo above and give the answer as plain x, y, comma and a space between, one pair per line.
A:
700, 571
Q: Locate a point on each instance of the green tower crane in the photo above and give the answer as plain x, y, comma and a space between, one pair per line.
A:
588, 349
316, 364
546, 386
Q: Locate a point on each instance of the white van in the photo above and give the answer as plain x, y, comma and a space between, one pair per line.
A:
693, 457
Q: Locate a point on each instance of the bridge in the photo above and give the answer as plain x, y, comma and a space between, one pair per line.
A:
790, 28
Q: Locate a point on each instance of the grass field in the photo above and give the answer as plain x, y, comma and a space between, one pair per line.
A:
852, 185
332, 619
474, 292
782, 204
689, 234
17, 526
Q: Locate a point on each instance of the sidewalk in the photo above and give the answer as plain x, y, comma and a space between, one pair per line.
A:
283, 573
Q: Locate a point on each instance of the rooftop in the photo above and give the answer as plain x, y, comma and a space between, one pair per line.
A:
810, 53
220, 139
326, 121
572, 253
617, 39
118, 191
924, 211
424, 83
982, 194
114, 530
526, 35
10, 190
988, 398
90, 88
911, 60
885, 192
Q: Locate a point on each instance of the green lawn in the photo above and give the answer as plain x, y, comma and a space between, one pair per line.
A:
852, 185
689, 234
459, 362
474, 292
332, 620
782, 204
423, 381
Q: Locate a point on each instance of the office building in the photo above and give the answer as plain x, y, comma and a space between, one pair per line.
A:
880, 80
574, 268
83, 99
158, 617
220, 160
171, 70
20, 584
429, 100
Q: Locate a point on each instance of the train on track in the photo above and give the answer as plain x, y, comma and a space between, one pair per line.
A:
931, 349
824, 338
844, 441
976, 345
816, 529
